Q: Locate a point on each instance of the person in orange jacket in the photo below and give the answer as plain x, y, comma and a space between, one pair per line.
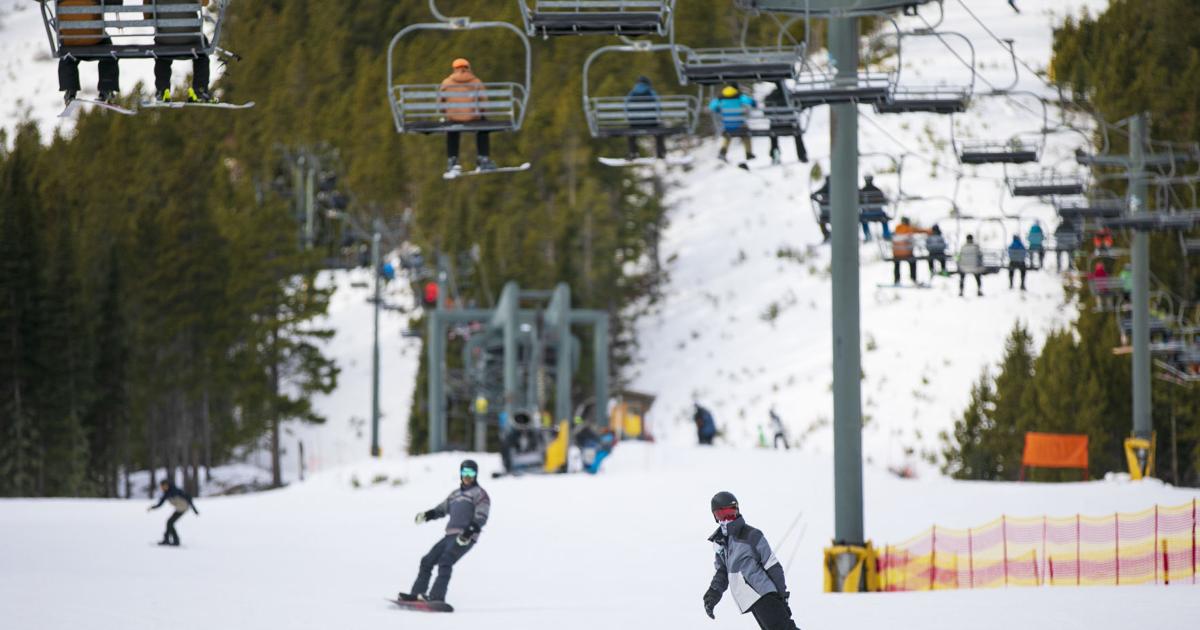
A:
902, 248
462, 92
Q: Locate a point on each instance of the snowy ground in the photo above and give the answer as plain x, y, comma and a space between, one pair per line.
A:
575, 551
747, 308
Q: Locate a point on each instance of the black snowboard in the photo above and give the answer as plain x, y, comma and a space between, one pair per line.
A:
423, 606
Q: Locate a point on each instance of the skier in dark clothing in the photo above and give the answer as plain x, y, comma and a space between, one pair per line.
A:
468, 509
642, 109
775, 103
179, 500
1017, 258
706, 427
935, 244
746, 567
68, 64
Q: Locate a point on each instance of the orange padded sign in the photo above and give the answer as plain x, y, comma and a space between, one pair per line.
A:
1055, 450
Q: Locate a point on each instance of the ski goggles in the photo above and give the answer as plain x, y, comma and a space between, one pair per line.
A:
725, 513
467, 472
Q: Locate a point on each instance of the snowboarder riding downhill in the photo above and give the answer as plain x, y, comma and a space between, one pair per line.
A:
179, 500
747, 567
468, 508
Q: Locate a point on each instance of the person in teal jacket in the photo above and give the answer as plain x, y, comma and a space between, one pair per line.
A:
733, 111
1037, 248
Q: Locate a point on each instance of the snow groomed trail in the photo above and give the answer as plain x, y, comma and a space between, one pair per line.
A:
623, 549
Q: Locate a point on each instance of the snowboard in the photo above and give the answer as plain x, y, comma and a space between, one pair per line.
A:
646, 161
77, 103
423, 606
183, 104
448, 175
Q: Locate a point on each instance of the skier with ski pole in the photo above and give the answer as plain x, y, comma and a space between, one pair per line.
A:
747, 567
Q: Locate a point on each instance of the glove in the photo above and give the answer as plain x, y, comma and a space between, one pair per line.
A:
711, 598
467, 534
150, 509
421, 517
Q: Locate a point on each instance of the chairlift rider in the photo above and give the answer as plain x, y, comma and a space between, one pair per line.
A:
181, 36
733, 108
1037, 249
1066, 241
1017, 255
778, 98
643, 110
935, 245
462, 92
970, 262
902, 249
68, 64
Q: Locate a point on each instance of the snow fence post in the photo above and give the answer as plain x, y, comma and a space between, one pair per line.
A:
1117, 546
971, 557
1004, 535
1078, 565
1155, 547
933, 558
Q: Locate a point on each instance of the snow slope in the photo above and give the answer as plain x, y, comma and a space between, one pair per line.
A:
747, 307
626, 549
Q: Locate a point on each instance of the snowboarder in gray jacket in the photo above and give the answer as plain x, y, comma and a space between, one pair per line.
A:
179, 500
747, 567
467, 509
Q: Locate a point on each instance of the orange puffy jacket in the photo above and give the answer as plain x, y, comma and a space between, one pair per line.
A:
902, 240
462, 92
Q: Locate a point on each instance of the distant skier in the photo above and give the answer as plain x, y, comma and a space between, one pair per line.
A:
935, 244
1017, 255
706, 427
746, 566
468, 508
462, 92
642, 108
970, 262
780, 432
179, 500
733, 110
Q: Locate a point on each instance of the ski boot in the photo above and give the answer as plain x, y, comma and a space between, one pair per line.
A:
453, 167
408, 597
164, 96
201, 96
484, 163
69, 96
776, 157
750, 156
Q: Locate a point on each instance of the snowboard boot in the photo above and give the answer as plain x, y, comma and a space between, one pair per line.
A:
69, 96
408, 597
776, 157
163, 96
750, 156
200, 96
484, 163
106, 96
721, 156
452, 166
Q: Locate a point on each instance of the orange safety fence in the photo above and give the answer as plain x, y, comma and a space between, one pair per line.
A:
1155, 546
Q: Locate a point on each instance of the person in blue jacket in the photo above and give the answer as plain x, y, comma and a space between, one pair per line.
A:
642, 108
179, 500
1017, 261
706, 427
733, 109
1037, 247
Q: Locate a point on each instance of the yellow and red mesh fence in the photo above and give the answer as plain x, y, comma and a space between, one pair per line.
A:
1155, 546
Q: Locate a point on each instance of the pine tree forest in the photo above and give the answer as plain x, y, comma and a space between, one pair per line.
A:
158, 304
1135, 57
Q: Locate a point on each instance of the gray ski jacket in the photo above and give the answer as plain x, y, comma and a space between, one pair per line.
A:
745, 564
465, 506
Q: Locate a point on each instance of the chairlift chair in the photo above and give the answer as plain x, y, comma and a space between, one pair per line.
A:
720, 66
1154, 221
424, 108
553, 18
830, 8
111, 29
1090, 208
942, 99
1018, 149
1046, 185
868, 88
614, 116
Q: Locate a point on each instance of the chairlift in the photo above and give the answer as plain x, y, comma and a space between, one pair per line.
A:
1154, 221
425, 108
1018, 149
110, 29
1091, 207
740, 64
553, 18
867, 88
940, 99
617, 116
1048, 184
831, 8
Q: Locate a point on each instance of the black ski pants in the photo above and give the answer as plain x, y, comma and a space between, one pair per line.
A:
171, 537
937, 258
801, 151
483, 143
200, 73
1014, 268
660, 147
443, 555
962, 282
912, 269
68, 74
772, 613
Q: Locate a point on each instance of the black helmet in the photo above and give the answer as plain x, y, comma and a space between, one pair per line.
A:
723, 500
469, 464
